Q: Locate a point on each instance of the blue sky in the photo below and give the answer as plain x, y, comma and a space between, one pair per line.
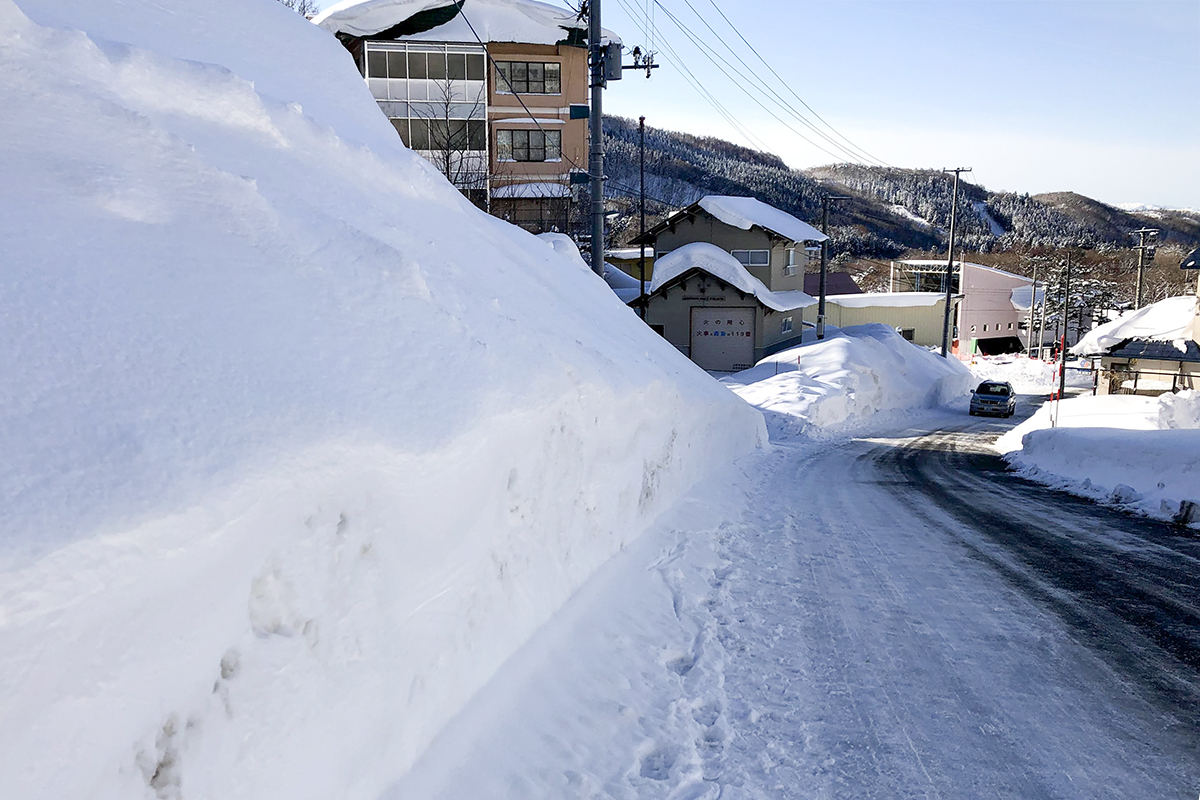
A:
1102, 98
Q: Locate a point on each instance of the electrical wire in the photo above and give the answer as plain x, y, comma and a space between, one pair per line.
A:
754, 50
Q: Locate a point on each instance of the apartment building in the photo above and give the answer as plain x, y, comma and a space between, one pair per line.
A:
493, 92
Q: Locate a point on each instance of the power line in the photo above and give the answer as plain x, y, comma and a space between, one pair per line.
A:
775, 96
788, 86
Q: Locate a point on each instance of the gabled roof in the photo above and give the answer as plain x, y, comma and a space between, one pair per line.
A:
745, 213
524, 21
1158, 350
712, 260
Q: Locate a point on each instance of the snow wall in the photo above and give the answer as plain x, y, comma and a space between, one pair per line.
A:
299, 446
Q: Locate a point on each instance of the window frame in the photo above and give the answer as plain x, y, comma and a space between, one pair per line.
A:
524, 145
518, 77
750, 254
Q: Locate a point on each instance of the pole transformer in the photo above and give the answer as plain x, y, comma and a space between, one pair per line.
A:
824, 259
950, 260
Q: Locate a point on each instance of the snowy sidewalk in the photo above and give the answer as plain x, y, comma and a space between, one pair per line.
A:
815, 627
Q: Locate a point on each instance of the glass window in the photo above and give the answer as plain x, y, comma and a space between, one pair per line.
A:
520, 145
553, 145
504, 145
456, 66
520, 76
536, 79
418, 65
785, 325
553, 79
524, 145
503, 75
537, 146
437, 66
396, 66
401, 126
474, 67
753, 258
376, 65
420, 134
476, 135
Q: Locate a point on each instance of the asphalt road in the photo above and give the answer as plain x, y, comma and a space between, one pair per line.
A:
918, 621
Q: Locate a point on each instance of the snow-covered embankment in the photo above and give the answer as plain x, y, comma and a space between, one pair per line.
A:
299, 445
1138, 452
855, 374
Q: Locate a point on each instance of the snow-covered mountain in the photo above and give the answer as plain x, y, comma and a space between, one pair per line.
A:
299, 445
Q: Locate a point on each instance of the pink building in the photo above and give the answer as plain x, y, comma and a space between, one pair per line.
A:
986, 319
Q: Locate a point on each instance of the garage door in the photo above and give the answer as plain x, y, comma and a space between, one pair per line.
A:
723, 338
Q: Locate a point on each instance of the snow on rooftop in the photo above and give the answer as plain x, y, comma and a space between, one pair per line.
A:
1166, 320
885, 299
1020, 296
941, 262
525, 21
746, 212
718, 263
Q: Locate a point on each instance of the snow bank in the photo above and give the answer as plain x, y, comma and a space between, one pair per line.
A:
1028, 375
886, 299
299, 445
1143, 452
853, 374
720, 264
1166, 320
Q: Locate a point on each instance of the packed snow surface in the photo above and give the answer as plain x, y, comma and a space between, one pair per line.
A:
526, 21
720, 264
746, 212
299, 445
1166, 320
1143, 452
852, 375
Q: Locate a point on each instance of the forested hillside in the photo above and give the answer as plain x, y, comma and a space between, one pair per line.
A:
890, 211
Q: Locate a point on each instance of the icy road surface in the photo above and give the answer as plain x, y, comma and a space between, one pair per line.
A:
887, 617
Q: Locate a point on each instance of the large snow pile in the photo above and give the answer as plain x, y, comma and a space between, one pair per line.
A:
855, 373
716, 262
1029, 375
1138, 451
1168, 320
299, 445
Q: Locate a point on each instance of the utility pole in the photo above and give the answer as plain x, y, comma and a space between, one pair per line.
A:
1042, 323
824, 259
596, 56
1033, 309
642, 213
950, 259
1146, 247
1062, 347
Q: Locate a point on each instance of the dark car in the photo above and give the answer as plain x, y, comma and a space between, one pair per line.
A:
994, 397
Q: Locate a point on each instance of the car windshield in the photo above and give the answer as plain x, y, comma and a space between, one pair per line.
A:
992, 388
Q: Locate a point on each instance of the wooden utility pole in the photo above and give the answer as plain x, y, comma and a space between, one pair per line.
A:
1062, 347
950, 260
642, 214
1147, 244
596, 56
824, 259
1033, 309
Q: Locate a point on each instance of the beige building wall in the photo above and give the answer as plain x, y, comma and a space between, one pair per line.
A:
705, 228
924, 321
506, 112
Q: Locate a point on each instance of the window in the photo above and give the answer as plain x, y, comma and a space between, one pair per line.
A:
985, 327
907, 333
529, 77
752, 258
529, 145
785, 325
1010, 326
789, 268
972, 329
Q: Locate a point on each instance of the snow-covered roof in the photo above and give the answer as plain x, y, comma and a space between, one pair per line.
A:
886, 299
746, 212
1166, 320
1020, 296
536, 189
716, 262
629, 252
525, 21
